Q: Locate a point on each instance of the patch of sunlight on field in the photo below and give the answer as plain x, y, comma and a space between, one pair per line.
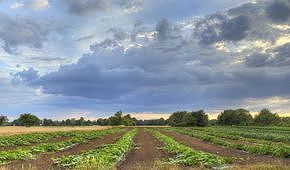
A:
11, 130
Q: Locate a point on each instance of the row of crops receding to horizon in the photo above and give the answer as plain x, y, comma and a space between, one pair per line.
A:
270, 141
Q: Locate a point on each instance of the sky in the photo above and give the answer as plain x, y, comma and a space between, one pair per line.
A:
69, 58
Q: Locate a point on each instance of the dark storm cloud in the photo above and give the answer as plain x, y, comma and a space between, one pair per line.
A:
164, 29
279, 10
235, 29
172, 68
86, 6
276, 57
22, 31
218, 27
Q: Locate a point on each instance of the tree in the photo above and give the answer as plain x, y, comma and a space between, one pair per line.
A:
116, 119
28, 120
244, 117
47, 122
189, 119
235, 117
176, 119
3, 119
128, 121
198, 118
265, 117
201, 118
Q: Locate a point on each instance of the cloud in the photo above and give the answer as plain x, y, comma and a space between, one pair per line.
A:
218, 27
28, 77
22, 31
235, 28
279, 11
38, 4
214, 61
277, 57
86, 6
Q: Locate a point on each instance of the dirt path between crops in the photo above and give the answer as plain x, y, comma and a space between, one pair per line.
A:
45, 161
147, 150
245, 158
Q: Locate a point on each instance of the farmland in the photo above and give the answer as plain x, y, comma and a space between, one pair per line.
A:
149, 148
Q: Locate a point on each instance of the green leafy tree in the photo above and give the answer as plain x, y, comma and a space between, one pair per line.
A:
266, 117
116, 119
128, 121
47, 122
189, 119
176, 119
235, 117
28, 120
3, 119
201, 118
244, 117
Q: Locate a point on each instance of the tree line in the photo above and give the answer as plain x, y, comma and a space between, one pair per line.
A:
115, 120
239, 117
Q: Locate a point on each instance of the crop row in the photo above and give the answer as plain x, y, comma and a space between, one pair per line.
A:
29, 152
241, 137
186, 155
102, 157
274, 149
28, 139
248, 133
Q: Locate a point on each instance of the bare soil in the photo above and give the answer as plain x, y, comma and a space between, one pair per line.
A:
45, 161
242, 157
146, 153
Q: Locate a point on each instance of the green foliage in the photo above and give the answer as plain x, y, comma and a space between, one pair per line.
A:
235, 117
102, 157
186, 155
28, 120
176, 119
198, 118
220, 137
77, 137
3, 119
266, 118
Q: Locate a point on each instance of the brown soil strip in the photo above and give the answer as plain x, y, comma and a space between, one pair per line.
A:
53, 140
45, 161
146, 152
243, 157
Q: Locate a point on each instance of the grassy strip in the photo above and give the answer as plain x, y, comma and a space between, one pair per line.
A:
102, 157
26, 153
186, 155
274, 149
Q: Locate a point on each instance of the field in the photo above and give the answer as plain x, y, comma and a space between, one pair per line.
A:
12, 130
127, 148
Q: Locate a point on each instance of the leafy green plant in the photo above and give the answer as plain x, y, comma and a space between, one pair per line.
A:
26, 153
102, 157
258, 147
186, 155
